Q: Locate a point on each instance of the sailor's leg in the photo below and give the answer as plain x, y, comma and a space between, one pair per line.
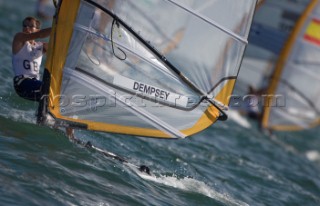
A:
70, 133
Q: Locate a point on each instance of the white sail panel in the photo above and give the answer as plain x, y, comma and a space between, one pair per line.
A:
198, 54
132, 71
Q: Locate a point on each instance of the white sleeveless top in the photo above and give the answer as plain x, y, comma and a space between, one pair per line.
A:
27, 61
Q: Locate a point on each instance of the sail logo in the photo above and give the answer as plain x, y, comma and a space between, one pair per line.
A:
312, 33
151, 91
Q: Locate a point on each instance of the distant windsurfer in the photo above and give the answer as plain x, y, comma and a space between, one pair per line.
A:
27, 56
44, 9
252, 108
99, 22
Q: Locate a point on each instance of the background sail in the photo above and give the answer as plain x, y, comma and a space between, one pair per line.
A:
106, 78
267, 38
295, 84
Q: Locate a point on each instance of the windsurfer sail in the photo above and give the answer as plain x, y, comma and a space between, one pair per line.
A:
296, 78
137, 80
267, 38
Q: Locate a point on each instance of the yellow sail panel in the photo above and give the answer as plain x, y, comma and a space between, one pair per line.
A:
313, 32
127, 68
224, 95
58, 49
294, 76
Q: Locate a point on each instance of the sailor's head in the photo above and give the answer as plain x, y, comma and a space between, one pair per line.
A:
31, 24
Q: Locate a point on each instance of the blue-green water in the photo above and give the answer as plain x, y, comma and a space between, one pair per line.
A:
225, 165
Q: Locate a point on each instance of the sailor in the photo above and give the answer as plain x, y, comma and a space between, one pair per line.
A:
252, 103
26, 58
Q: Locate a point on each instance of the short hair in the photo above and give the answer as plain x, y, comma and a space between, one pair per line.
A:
31, 18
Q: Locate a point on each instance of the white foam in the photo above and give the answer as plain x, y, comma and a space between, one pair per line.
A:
192, 185
22, 115
313, 155
238, 118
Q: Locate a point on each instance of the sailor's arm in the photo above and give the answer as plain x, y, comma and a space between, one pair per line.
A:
43, 33
21, 37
